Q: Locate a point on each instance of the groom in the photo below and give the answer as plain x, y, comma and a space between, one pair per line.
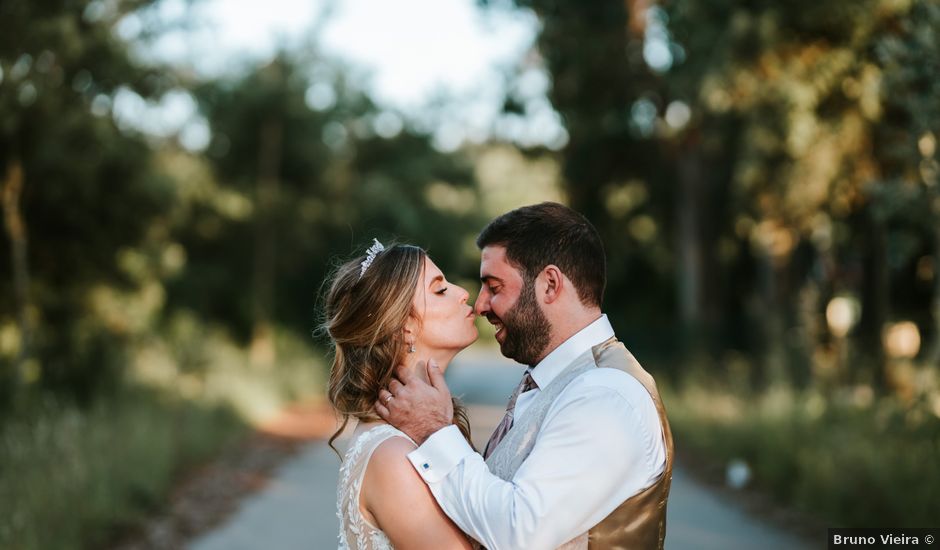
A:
583, 457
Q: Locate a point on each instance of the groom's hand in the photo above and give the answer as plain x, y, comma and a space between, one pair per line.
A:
414, 406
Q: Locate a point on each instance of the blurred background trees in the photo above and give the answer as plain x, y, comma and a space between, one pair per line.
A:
301, 167
770, 171
312, 183
78, 193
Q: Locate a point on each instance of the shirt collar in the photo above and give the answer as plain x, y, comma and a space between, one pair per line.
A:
569, 350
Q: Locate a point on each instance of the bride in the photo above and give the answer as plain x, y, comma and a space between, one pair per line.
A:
388, 308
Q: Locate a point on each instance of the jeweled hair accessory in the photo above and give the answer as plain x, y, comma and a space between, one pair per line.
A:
370, 256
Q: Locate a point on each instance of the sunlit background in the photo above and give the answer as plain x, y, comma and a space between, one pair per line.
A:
179, 177
467, 61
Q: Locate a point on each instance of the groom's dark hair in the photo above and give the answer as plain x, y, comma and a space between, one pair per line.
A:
550, 233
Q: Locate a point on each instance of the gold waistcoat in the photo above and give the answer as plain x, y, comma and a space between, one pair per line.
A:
640, 522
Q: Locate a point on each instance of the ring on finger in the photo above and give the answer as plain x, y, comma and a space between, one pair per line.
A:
388, 398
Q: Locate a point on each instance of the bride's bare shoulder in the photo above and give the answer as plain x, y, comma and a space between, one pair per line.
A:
389, 472
401, 503
390, 458
397, 445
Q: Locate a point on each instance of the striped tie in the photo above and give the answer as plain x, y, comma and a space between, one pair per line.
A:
527, 384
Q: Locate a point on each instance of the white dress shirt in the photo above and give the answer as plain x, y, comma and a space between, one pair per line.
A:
600, 443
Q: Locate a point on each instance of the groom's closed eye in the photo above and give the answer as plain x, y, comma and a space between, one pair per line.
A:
490, 285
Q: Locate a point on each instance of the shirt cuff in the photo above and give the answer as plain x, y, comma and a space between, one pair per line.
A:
440, 454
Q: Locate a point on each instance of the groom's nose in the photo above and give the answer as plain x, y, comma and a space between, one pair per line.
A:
481, 306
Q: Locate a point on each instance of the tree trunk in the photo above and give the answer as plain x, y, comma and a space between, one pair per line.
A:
690, 273
269, 160
770, 273
874, 302
16, 232
933, 355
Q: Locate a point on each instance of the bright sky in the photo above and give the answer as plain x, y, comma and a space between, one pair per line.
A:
407, 51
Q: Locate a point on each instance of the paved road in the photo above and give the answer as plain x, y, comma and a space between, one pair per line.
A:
298, 509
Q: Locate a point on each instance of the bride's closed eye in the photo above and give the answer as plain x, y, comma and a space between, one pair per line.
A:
441, 291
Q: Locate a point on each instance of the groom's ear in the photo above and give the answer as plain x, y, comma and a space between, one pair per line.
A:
553, 283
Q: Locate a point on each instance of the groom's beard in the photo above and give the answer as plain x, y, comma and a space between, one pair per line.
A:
527, 329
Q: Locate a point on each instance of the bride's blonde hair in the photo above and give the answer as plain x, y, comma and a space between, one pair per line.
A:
365, 317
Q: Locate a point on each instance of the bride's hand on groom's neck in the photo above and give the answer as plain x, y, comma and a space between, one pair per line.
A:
417, 402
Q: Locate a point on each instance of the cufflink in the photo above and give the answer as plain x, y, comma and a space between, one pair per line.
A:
426, 466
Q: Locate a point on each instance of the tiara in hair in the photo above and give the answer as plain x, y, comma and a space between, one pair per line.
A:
370, 256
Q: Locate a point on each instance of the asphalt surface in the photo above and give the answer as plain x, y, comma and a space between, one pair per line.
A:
297, 509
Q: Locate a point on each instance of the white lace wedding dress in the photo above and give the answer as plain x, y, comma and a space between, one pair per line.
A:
355, 532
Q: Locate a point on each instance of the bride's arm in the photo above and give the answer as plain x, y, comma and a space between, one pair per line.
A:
401, 503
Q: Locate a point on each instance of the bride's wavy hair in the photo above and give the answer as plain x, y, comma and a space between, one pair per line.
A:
365, 316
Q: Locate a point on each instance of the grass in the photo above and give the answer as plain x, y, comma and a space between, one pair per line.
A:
848, 459
74, 477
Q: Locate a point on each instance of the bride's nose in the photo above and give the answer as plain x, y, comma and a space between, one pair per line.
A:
464, 295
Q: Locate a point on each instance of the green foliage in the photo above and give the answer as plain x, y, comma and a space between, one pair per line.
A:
846, 460
770, 153
118, 238
82, 474
88, 189
93, 469
201, 361
832, 99
314, 184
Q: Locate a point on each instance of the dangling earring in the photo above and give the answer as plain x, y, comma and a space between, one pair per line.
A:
411, 345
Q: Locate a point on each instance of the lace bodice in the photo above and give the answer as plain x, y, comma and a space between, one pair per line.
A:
355, 532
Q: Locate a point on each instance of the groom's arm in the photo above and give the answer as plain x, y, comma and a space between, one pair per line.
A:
600, 444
